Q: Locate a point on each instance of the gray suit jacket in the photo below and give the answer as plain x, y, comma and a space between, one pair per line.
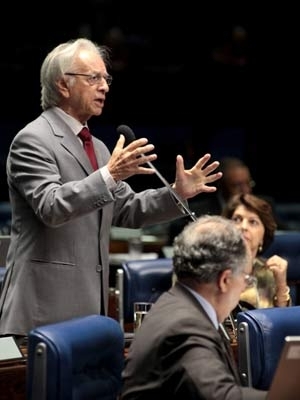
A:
62, 212
178, 354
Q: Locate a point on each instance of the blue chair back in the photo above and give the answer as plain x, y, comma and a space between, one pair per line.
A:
261, 335
287, 245
2, 274
77, 359
4, 245
144, 281
5, 217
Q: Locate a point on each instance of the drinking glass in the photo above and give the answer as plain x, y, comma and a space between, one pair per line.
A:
140, 310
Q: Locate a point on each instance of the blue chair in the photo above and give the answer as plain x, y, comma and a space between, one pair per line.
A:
143, 281
2, 273
261, 335
287, 245
78, 359
5, 217
4, 244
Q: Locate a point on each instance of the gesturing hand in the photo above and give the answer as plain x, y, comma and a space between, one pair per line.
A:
189, 183
128, 161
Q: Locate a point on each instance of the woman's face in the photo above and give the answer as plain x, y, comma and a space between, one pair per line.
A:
251, 226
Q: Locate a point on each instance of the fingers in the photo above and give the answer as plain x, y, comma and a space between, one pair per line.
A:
208, 169
277, 264
138, 148
211, 167
129, 160
179, 163
120, 143
213, 177
203, 160
276, 260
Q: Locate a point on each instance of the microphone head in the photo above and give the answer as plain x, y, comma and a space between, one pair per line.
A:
127, 132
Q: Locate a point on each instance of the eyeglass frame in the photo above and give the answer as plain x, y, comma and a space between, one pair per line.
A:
250, 280
250, 183
97, 77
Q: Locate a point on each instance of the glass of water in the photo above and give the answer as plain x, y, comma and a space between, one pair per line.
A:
140, 310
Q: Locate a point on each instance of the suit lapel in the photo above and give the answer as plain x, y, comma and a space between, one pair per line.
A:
73, 146
67, 139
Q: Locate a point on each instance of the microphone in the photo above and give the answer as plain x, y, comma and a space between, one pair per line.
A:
130, 137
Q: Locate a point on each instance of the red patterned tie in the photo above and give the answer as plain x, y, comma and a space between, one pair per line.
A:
88, 146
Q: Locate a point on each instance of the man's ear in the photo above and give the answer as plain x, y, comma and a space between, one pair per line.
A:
224, 280
63, 88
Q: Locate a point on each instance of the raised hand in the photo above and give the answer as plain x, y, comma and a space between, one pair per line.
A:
128, 161
189, 183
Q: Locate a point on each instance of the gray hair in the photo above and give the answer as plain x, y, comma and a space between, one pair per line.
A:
208, 246
58, 61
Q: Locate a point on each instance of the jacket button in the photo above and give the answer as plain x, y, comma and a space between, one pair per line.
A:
99, 268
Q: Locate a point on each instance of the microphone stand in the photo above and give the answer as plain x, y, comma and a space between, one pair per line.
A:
183, 207
130, 136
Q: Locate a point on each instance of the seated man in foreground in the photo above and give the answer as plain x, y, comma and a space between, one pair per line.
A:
179, 352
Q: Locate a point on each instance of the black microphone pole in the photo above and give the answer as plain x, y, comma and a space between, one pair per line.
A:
130, 136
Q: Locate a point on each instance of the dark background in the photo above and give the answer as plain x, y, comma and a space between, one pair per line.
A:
168, 85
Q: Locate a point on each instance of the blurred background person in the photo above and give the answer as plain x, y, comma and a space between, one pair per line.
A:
236, 179
179, 352
235, 48
254, 217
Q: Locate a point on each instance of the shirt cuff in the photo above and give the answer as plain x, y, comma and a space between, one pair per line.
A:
108, 179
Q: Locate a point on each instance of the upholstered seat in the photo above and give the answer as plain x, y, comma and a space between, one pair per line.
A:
261, 335
2, 273
287, 245
141, 280
78, 359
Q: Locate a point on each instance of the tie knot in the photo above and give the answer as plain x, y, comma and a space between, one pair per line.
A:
85, 134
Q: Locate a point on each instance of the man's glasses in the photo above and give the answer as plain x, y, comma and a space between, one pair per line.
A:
93, 79
240, 185
250, 280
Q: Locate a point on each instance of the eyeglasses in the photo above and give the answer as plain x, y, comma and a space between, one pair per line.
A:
93, 79
250, 280
240, 185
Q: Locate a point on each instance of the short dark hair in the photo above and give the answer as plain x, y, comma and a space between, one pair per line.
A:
208, 246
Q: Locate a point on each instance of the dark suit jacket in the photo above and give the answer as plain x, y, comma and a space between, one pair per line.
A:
62, 212
178, 354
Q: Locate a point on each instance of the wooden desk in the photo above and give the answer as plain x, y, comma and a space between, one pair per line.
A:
149, 246
13, 379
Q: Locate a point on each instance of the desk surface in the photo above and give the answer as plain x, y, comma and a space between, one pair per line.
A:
13, 380
121, 245
119, 258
